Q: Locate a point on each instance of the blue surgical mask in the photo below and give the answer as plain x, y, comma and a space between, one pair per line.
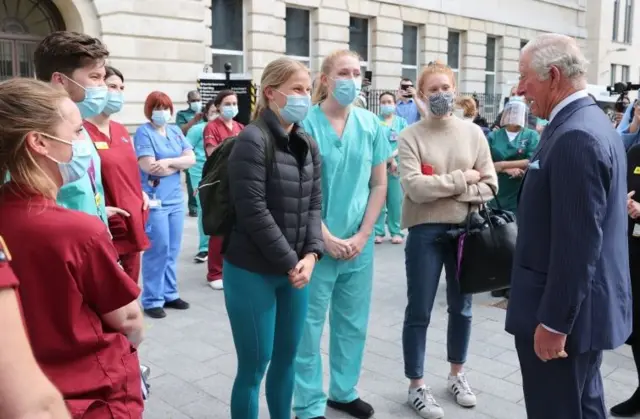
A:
386, 110
161, 117
80, 161
296, 108
346, 90
115, 100
195, 106
95, 99
229, 112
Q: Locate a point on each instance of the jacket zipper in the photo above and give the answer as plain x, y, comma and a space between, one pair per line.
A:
300, 165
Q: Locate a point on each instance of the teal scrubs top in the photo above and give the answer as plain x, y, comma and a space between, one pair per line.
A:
149, 143
184, 117
196, 139
87, 193
398, 123
346, 165
502, 149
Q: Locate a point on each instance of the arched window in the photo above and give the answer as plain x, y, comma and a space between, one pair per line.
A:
23, 23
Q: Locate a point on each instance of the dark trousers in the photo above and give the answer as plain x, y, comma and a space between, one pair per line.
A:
192, 203
569, 388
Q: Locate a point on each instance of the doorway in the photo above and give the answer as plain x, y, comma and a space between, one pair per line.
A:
23, 23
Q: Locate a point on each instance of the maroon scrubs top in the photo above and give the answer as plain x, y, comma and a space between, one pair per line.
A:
70, 277
215, 132
122, 186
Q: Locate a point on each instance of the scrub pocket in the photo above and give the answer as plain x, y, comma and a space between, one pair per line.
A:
89, 409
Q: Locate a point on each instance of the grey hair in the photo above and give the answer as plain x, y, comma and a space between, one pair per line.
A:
560, 51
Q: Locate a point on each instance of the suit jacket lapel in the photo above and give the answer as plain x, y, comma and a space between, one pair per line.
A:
559, 119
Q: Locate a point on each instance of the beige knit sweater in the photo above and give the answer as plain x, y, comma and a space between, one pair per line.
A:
448, 147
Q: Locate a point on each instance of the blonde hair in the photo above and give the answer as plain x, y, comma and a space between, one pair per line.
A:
320, 91
468, 106
435, 67
26, 105
275, 74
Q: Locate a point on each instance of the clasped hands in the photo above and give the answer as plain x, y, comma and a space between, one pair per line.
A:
300, 275
633, 207
346, 249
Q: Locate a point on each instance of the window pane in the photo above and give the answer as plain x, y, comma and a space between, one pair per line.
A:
410, 73
410, 45
613, 74
453, 52
490, 84
226, 24
359, 37
490, 62
523, 43
297, 33
217, 65
625, 74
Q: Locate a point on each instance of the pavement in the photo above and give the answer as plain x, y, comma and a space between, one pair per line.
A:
193, 363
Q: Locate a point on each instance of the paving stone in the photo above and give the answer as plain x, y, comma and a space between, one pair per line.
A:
193, 362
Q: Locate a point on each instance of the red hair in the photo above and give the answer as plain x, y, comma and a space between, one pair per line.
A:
157, 100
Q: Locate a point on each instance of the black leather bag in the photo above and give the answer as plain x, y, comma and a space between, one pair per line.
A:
485, 248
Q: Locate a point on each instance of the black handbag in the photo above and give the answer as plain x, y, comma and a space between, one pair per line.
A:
485, 248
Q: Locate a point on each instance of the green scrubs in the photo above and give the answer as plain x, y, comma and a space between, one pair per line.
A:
392, 211
87, 193
195, 138
343, 287
503, 149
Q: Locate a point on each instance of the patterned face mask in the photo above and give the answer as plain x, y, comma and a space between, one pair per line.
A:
441, 103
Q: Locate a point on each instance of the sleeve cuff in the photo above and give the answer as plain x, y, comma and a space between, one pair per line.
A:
459, 182
552, 330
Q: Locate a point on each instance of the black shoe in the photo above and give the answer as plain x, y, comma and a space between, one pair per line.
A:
177, 304
193, 213
201, 257
357, 408
628, 409
155, 313
498, 293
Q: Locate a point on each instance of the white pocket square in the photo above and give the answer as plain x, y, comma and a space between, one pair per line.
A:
534, 165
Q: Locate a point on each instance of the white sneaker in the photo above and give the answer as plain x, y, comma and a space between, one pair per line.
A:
461, 390
422, 401
216, 285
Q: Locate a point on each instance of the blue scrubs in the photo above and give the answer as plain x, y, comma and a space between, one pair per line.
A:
392, 210
195, 138
166, 222
87, 193
343, 286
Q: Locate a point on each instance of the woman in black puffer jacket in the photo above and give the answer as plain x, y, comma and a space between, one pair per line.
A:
274, 177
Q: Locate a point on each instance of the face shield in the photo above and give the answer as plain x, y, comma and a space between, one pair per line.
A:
514, 113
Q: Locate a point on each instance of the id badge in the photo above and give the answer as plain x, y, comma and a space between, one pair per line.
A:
636, 230
155, 203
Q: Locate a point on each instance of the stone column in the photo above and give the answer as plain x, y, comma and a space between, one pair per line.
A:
386, 53
153, 49
330, 30
474, 53
265, 34
434, 42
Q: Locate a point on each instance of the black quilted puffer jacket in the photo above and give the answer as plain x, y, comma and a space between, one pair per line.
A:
278, 208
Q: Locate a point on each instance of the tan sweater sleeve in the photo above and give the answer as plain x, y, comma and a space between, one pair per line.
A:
482, 192
421, 188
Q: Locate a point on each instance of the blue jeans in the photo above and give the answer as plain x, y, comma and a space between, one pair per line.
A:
267, 317
424, 259
159, 263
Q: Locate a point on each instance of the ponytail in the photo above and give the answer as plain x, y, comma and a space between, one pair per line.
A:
261, 105
320, 91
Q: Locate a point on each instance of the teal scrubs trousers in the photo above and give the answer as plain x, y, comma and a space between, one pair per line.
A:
195, 138
343, 287
392, 210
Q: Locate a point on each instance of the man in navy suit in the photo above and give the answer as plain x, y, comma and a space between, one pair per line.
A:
570, 287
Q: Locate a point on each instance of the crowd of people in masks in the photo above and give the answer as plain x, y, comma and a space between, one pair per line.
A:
315, 182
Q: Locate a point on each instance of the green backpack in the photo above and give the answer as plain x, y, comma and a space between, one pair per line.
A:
218, 213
